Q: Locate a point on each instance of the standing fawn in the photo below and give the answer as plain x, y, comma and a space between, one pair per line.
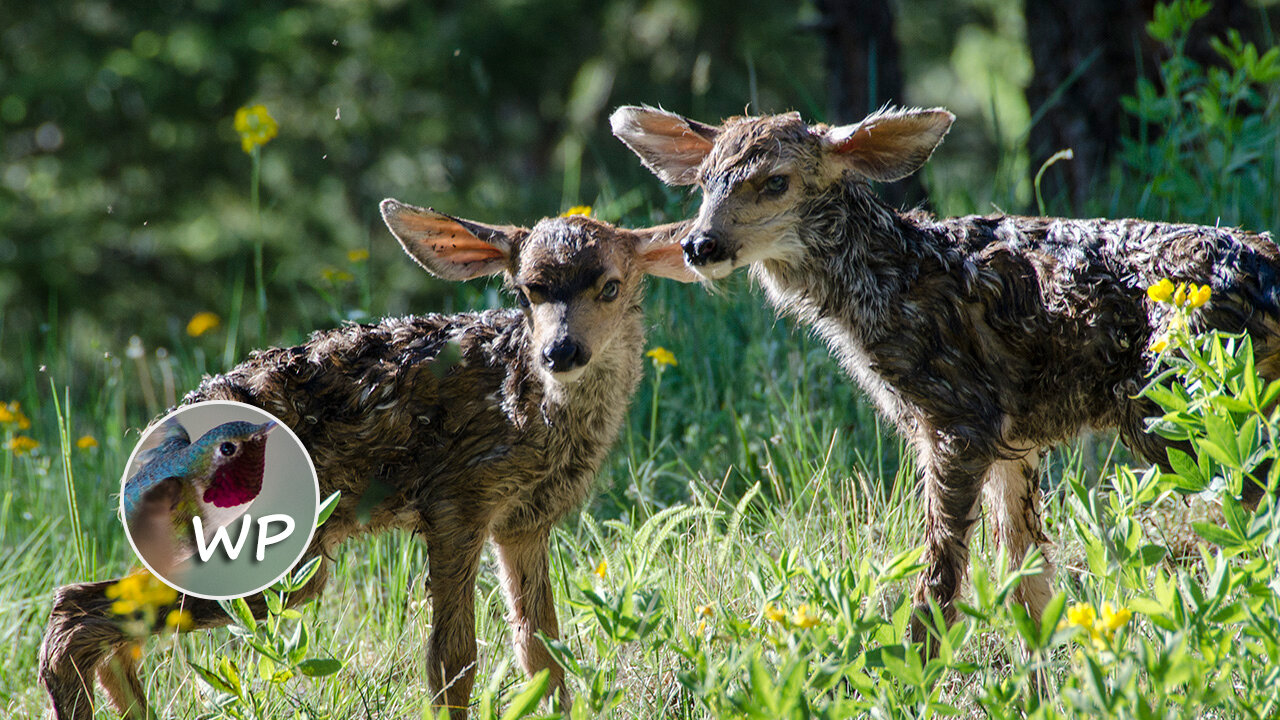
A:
983, 339
502, 445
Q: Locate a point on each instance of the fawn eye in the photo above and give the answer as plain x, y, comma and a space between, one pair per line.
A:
609, 292
522, 297
227, 449
776, 184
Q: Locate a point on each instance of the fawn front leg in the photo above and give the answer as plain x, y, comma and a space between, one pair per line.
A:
454, 557
526, 582
952, 501
1013, 496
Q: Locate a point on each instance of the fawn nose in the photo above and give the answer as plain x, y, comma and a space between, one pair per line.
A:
564, 355
704, 247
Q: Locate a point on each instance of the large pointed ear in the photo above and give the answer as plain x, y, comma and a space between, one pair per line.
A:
671, 146
890, 144
450, 247
660, 252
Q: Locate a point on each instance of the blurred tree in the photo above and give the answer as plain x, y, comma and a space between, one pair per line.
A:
863, 72
1088, 54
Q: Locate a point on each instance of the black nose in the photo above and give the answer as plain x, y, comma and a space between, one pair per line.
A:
704, 247
564, 355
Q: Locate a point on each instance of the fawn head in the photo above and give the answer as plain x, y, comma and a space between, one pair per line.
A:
761, 176
576, 278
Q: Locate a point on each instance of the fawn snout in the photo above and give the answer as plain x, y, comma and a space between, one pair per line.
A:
565, 355
704, 247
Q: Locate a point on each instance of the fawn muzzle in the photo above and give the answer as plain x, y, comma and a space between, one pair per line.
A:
565, 355
704, 248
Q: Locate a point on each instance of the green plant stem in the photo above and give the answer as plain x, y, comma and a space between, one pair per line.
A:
653, 413
259, 287
64, 441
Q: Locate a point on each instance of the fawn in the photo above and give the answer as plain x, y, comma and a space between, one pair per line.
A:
984, 340
505, 443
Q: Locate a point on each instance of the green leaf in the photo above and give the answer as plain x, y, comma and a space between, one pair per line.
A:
1187, 470
1222, 434
211, 678
327, 507
319, 667
904, 564
238, 610
1216, 535
1050, 617
526, 701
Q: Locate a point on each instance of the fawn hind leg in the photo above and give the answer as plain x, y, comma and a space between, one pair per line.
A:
1013, 495
953, 490
84, 641
526, 582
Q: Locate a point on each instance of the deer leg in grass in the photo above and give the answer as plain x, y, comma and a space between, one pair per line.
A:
85, 640
526, 582
454, 558
1013, 496
952, 496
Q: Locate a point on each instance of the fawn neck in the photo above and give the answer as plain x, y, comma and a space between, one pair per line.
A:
860, 258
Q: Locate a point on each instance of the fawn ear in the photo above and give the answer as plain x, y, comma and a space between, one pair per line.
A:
671, 146
660, 252
890, 144
450, 247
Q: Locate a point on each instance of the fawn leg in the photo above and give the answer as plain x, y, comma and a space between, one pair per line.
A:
84, 641
454, 558
952, 488
1013, 495
526, 582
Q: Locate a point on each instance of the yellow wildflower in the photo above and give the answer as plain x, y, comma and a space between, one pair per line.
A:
138, 591
6, 415
202, 322
256, 127
775, 613
1113, 619
334, 275
1198, 295
12, 413
705, 610
702, 627
1081, 615
1180, 295
804, 617
602, 569
87, 441
179, 620
1161, 291
359, 255
661, 356
583, 210
1160, 343
21, 444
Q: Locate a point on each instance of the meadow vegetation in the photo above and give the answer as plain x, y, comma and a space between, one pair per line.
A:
751, 548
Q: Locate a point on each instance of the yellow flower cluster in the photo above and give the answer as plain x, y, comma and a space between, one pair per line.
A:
661, 356
87, 441
256, 127
1188, 295
336, 276
602, 569
21, 444
1100, 629
583, 210
139, 591
356, 256
803, 618
202, 322
11, 414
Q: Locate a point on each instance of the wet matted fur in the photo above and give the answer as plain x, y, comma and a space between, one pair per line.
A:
983, 339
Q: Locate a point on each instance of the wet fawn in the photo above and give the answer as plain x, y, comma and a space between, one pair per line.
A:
503, 444
983, 339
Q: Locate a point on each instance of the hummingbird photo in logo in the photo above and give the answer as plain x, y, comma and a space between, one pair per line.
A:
213, 478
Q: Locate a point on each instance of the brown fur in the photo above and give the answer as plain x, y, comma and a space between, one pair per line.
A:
984, 340
500, 447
